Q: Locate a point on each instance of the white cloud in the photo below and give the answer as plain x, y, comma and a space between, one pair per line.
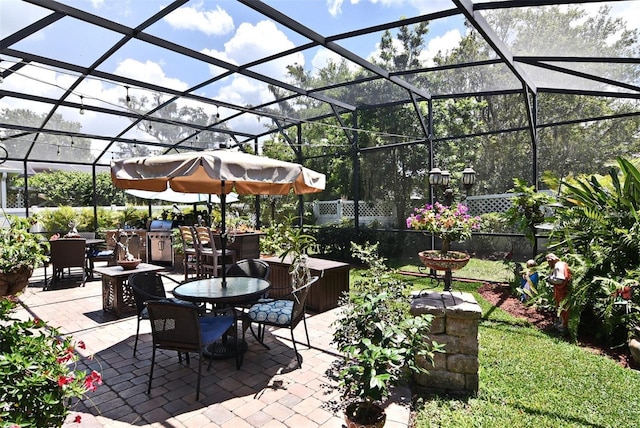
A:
249, 43
148, 71
15, 15
444, 43
210, 22
422, 6
323, 56
335, 7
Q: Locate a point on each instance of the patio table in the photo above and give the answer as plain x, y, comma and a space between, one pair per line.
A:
117, 296
239, 290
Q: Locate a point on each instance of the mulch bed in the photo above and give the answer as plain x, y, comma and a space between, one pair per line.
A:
501, 296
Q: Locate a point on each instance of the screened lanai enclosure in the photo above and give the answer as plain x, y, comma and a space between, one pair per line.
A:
375, 94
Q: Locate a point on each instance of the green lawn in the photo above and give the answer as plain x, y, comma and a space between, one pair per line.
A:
485, 270
531, 379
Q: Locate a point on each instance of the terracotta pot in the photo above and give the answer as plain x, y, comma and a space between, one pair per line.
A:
15, 282
451, 260
129, 264
364, 415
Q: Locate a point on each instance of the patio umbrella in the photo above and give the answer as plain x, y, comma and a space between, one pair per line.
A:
181, 198
216, 172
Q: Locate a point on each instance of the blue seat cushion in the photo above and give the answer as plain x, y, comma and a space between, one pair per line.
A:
103, 253
212, 328
275, 312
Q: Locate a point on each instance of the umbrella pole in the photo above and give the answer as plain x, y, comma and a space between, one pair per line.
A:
223, 234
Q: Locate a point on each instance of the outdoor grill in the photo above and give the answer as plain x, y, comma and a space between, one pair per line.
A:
160, 241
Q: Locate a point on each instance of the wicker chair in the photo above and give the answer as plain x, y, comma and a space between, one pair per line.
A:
283, 312
253, 268
180, 328
147, 286
68, 253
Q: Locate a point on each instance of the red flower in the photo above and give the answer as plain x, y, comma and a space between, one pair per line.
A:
77, 419
92, 381
64, 380
81, 345
68, 355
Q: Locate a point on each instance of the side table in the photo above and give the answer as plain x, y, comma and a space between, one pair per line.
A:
116, 293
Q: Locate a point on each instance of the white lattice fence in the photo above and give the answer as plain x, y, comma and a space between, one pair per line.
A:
479, 205
334, 211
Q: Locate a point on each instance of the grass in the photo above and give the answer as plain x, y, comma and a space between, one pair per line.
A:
531, 379
485, 270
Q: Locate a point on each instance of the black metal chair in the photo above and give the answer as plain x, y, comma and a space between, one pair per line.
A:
286, 312
180, 327
148, 286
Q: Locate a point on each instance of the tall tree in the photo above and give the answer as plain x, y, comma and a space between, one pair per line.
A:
562, 150
48, 147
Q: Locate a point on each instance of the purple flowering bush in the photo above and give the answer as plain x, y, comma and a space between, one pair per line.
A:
449, 223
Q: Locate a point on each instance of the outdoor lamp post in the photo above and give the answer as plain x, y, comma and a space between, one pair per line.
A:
439, 178
468, 179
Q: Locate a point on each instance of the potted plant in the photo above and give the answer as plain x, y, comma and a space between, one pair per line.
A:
20, 252
38, 377
380, 342
450, 224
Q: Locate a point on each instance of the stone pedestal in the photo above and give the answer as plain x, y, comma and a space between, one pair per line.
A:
455, 325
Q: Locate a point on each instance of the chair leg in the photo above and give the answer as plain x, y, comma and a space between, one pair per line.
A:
260, 335
306, 331
199, 373
153, 360
295, 350
135, 344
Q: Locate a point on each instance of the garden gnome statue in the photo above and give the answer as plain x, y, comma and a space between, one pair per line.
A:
559, 278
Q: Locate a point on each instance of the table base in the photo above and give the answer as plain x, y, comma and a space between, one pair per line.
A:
221, 350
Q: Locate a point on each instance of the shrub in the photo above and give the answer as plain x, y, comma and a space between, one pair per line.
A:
379, 340
38, 376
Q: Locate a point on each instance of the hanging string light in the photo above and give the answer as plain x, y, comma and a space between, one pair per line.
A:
128, 99
81, 104
217, 113
58, 150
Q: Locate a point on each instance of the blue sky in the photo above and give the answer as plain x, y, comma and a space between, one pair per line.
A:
224, 29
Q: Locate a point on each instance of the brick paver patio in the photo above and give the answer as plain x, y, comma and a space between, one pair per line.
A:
269, 390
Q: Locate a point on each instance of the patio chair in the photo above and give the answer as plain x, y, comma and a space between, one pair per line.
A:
190, 252
180, 328
250, 268
286, 312
147, 286
230, 255
68, 253
253, 268
208, 256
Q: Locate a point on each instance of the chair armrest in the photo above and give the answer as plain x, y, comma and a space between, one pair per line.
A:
165, 276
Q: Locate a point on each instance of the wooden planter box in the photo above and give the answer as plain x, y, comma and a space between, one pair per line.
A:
334, 280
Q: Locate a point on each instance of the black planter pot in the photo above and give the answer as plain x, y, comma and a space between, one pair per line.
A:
364, 415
